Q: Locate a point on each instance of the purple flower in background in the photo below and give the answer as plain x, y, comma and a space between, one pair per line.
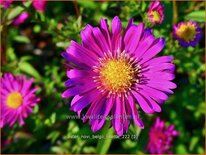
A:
187, 33
20, 19
156, 12
39, 5
161, 137
113, 70
5, 3
17, 99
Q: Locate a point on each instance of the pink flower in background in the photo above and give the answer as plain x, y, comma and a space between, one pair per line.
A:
20, 19
161, 137
156, 12
39, 5
114, 70
5, 3
187, 33
17, 98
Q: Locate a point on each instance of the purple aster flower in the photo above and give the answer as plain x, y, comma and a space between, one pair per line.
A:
156, 12
20, 19
113, 70
17, 98
39, 5
187, 33
5, 3
161, 137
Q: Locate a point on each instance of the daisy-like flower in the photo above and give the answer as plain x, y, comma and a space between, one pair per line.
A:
187, 33
161, 137
111, 72
17, 99
39, 5
156, 12
5, 3
20, 19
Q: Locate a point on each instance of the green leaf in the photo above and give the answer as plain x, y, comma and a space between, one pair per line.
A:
53, 118
10, 54
104, 143
27, 3
15, 12
196, 15
29, 69
193, 143
25, 58
181, 149
36, 109
22, 39
87, 4
53, 136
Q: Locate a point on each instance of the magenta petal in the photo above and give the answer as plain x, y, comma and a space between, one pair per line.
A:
74, 73
116, 25
154, 93
159, 76
80, 103
78, 90
160, 94
130, 23
132, 37
87, 40
77, 81
124, 116
81, 54
146, 41
155, 49
104, 28
161, 67
103, 43
135, 115
116, 33
162, 84
145, 106
107, 106
117, 120
154, 105
158, 60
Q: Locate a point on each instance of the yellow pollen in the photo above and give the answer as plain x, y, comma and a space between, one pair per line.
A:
14, 100
155, 16
117, 75
186, 32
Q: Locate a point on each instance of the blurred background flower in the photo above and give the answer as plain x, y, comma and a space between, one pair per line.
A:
5, 3
20, 19
17, 99
187, 33
156, 12
39, 5
161, 137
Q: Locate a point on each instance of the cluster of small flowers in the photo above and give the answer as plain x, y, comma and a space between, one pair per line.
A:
115, 71
39, 5
187, 33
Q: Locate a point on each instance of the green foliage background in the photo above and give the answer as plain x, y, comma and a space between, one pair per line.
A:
34, 49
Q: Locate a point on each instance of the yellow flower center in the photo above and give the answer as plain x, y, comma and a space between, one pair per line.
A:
186, 32
14, 100
155, 16
117, 75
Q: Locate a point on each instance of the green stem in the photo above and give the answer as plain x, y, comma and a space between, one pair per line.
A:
104, 144
137, 132
175, 14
